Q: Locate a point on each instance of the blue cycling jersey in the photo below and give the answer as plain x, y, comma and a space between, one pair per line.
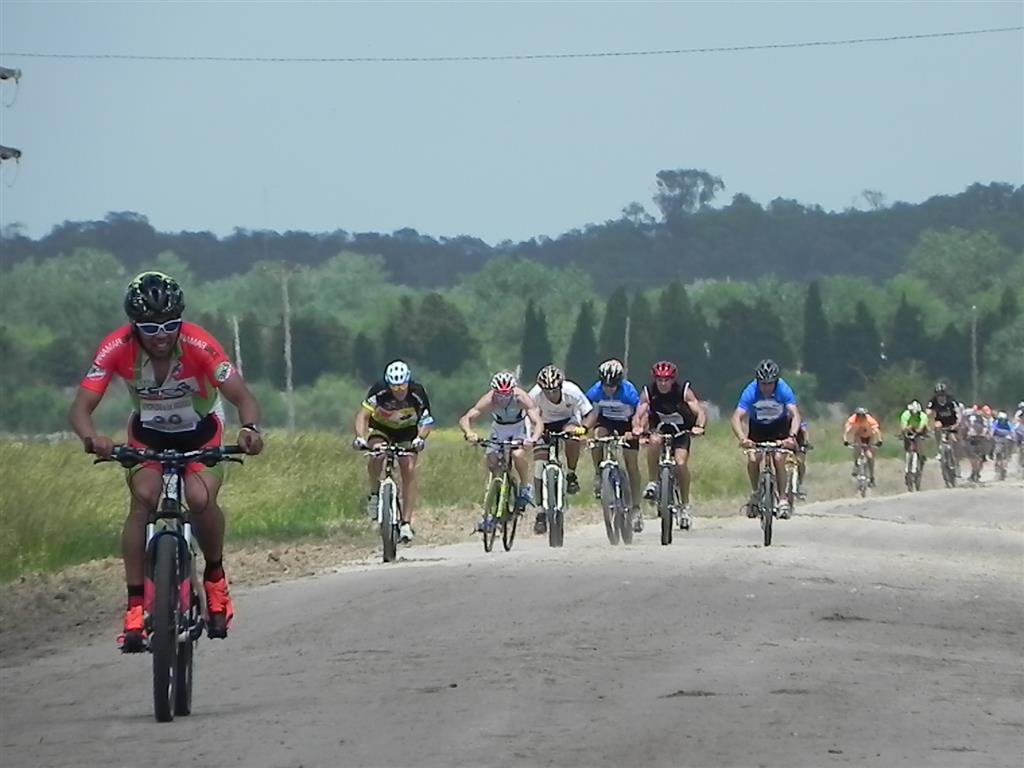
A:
618, 406
766, 409
1002, 428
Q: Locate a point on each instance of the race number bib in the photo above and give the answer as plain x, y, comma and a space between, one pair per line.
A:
767, 411
168, 415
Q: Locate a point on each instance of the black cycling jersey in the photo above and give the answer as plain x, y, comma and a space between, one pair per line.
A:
945, 413
670, 407
388, 412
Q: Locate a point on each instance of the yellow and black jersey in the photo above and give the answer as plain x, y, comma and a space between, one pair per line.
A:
388, 412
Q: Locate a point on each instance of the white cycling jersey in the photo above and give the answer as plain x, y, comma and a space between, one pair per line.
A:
573, 406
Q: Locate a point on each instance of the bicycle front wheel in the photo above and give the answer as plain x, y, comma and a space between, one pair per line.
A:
490, 522
163, 642
767, 503
609, 506
624, 509
553, 486
666, 495
389, 527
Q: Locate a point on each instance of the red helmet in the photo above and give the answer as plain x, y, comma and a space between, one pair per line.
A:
663, 369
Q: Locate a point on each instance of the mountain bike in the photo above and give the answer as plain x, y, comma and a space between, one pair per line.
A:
175, 601
669, 501
861, 478
767, 485
552, 487
616, 497
947, 455
913, 459
974, 446
389, 497
501, 498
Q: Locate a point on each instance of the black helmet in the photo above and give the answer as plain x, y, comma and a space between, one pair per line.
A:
767, 371
153, 297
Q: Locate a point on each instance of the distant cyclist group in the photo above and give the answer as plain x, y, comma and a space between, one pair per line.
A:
176, 373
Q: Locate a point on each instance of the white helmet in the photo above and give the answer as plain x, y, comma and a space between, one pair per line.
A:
611, 372
914, 407
503, 382
1002, 416
397, 373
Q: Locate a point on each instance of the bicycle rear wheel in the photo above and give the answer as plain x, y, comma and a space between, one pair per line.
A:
163, 642
666, 495
389, 529
510, 516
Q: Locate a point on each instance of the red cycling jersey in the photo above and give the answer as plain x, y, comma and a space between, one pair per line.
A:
198, 368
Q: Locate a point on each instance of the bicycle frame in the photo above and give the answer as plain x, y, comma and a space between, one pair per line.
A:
553, 467
617, 512
389, 499
767, 485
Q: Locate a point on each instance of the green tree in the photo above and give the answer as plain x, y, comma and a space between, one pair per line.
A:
612, 339
252, 340
319, 345
907, 339
860, 343
364, 358
958, 264
642, 339
818, 356
581, 360
535, 349
680, 331
445, 337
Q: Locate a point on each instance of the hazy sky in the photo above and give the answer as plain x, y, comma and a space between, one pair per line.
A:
493, 149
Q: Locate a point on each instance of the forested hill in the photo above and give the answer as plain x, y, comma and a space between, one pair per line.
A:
691, 238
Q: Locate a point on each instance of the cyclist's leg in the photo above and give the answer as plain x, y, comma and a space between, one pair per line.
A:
682, 457
869, 454
201, 489
375, 464
631, 456
653, 457
145, 485
410, 486
595, 455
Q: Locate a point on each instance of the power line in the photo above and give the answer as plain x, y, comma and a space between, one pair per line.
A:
510, 57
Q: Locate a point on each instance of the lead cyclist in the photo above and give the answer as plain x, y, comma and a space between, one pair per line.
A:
175, 372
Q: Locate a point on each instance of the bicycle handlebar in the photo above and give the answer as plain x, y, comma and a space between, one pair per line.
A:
495, 443
128, 456
386, 449
771, 446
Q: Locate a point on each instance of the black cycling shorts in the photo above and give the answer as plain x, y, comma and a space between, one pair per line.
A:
772, 432
619, 428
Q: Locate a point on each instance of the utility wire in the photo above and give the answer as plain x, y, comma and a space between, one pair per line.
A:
510, 57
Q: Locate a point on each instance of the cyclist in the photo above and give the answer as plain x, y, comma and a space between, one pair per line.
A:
175, 372
667, 401
396, 410
803, 445
944, 412
914, 425
767, 411
615, 401
864, 428
515, 417
975, 433
1002, 433
562, 406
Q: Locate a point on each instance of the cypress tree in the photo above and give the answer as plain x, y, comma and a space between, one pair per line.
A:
581, 360
536, 346
642, 340
612, 340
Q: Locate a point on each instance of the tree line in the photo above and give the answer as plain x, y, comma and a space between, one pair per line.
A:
689, 236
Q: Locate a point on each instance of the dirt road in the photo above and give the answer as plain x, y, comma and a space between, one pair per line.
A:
886, 632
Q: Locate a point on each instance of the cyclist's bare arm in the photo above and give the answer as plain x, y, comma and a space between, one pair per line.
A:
237, 393
483, 405
362, 423
532, 413
738, 422
694, 404
641, 418
794, 420
80, 416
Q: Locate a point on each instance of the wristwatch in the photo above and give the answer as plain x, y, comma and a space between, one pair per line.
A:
252, 428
